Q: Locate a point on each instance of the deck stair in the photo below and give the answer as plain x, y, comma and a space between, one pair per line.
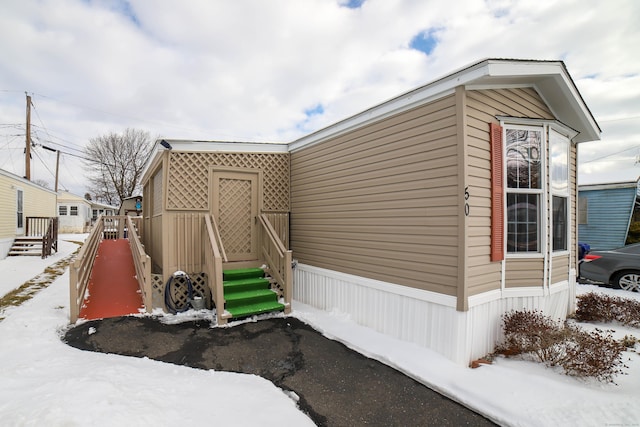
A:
247, 292
30, 246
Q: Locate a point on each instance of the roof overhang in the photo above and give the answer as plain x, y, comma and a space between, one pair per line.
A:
23, 181
607, 186
550, 78
191, 146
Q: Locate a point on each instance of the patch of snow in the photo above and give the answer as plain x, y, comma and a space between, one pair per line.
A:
45, 382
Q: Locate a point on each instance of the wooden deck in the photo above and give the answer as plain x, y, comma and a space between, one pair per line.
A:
113, 289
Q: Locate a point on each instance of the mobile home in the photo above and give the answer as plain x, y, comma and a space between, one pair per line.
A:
425, 217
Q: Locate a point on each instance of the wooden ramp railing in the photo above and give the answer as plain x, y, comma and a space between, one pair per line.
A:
214, 255
40, 238
109, 227
278, 260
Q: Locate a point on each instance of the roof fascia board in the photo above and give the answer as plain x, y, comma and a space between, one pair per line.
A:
24, 181
152, 161
364, 119
489, 86
185, 146
575, 101
608, 186
97, 205
67, 197
440, 88
544, 74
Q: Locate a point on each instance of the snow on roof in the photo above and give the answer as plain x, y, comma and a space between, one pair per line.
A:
628, 176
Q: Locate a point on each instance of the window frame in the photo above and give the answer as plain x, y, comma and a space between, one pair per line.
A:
62, 208
540, 192
19, 211
565, 194
73, 210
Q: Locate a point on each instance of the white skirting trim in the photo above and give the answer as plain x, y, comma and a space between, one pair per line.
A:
5, 247
422, 317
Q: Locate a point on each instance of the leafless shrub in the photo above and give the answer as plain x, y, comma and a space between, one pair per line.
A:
593, 307
531, 332
580, 353
594, 354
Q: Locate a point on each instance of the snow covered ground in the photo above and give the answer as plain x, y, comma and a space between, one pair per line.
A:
45, 382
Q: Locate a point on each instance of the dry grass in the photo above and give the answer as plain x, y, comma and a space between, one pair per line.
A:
31, 287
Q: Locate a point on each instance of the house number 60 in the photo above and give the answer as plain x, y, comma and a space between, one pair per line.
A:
466, 201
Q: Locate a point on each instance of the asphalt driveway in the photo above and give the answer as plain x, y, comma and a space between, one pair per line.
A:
337, 386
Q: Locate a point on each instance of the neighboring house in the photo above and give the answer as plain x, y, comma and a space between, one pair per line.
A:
19, 200
131, 206
605, 209
98, 209
77, 214
74, 213
425, 218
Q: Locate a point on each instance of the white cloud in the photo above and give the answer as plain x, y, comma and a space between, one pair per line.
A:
249, 70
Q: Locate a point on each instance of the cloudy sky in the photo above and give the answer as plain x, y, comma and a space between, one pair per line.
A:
257, 70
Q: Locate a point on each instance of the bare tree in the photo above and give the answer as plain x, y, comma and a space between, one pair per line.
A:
115, 164
42, 183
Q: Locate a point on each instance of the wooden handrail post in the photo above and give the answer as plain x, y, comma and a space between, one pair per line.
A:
213, 265
288, 281
74, 309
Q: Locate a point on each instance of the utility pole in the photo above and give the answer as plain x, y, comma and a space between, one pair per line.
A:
27, 152
57, 167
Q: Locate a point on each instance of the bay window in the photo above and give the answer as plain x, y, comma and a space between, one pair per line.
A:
559, 171
524, 148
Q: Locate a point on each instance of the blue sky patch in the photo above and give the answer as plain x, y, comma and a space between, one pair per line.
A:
353, 4
122, 7
125, 8
425, 41
316, 110
500, 12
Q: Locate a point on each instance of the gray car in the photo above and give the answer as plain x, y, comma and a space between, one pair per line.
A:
617, 267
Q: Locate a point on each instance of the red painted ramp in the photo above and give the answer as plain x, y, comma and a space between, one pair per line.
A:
113, 289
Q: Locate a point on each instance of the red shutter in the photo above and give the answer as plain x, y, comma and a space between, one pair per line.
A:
497, 193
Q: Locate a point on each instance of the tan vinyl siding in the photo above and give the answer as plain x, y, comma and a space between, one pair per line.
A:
155, 236
524, 272
381, 201
559, 269
482, 108
157, 196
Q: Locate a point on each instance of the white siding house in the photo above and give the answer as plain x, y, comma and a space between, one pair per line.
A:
74, 213
20, 199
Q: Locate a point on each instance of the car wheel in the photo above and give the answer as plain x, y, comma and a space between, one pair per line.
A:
627, 280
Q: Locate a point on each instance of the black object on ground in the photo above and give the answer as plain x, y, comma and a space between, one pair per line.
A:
336, 385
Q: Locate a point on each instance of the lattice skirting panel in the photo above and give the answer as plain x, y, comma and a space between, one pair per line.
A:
179, 289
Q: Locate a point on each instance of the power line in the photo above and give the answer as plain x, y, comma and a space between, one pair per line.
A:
53, 136
44, 164
619, 119
608, 155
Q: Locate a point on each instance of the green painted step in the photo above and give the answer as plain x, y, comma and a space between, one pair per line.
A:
245, 285
239, 299
249, 310
248, 292
242, 273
